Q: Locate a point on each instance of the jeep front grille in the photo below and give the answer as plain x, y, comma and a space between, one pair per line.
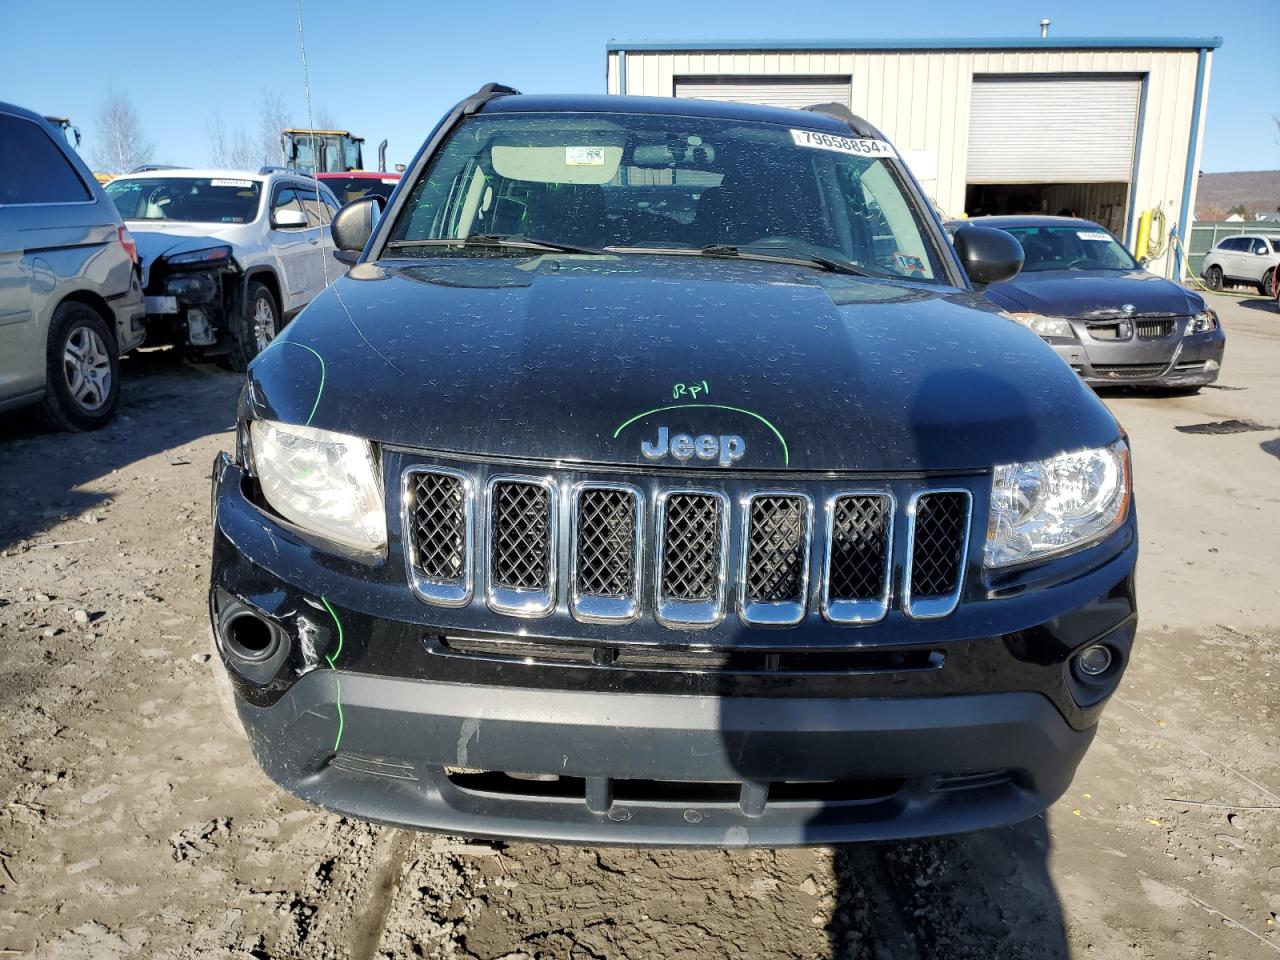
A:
859, 535
685, 555
438, 534
606, 553
936, 553
692, 542
521, 543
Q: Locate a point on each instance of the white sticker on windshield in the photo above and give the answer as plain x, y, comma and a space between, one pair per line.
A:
830, 141
390, 180
584, 156
1093, 235
231, 183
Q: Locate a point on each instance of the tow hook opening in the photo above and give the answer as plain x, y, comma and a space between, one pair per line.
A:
250, 637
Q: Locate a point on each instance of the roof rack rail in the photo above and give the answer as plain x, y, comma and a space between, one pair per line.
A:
490, 91
148, 167
842, 113
273, 168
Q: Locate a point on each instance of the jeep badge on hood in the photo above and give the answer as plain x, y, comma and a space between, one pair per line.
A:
728, 448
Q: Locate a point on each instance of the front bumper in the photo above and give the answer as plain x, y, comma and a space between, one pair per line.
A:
362, 710
1168, 362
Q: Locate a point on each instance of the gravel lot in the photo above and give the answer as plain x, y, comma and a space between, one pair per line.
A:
133, 822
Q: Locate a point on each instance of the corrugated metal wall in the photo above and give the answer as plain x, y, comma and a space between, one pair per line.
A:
920, 99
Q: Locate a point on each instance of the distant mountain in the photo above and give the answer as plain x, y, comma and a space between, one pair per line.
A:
1258, 190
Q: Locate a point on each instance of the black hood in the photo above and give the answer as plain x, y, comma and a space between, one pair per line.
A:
1090, 294
581, 359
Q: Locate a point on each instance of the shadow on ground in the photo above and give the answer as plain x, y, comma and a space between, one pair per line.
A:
165, 403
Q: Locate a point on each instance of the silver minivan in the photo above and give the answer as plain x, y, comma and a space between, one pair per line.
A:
70, 290
1249, 259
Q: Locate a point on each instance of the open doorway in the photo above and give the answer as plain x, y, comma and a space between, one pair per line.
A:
1102, 203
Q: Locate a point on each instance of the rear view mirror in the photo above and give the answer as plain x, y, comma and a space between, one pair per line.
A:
353, 226
988, 255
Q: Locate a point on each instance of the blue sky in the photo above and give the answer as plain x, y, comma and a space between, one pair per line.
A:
390, 70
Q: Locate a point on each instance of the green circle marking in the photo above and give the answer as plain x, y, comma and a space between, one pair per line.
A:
786, 453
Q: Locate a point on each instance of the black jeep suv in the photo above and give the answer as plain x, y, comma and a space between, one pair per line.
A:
656, 476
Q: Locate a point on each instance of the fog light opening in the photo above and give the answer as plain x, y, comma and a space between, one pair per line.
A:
1092, 662
249, 637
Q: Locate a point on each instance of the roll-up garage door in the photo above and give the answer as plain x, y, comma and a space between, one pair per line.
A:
794, 92
1052, 129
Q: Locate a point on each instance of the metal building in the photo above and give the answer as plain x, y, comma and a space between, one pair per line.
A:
1105, 128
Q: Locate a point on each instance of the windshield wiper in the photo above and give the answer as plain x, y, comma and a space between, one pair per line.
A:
799, 258
802, 258
502, 240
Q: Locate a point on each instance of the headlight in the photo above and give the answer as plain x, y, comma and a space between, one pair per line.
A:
1045, 326
1204, 322
324, 482
1048, 507
208, 257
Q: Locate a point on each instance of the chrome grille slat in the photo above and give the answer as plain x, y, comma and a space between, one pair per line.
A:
437, 535
859, 539
937, 552
521, 542
692, 554
605, 574
774, 583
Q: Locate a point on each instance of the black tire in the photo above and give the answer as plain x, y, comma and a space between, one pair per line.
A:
82, 370
1213, 278
1268, 285
253, 330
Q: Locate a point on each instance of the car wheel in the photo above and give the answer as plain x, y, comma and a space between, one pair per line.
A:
1268, 285
1213, 277
257, 326
82, 370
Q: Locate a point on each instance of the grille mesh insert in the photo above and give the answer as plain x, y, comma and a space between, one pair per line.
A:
691, 547
520, 549
606, 543
939, 544
776, 550
438, 530
1154, 329
1122, 370
859, 547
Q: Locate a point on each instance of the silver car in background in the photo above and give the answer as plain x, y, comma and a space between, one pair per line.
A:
1247, 260
70, 290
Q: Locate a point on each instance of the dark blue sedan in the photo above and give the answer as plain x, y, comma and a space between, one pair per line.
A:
1114, 322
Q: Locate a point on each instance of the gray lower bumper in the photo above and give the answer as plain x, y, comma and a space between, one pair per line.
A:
399, 751
1187, 361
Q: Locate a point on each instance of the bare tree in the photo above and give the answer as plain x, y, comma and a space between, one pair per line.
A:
230, 149
272, 120
122, 144
324, 119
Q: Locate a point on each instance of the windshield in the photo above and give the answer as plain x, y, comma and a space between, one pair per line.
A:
1077, 247
1275, 244
667, 184
347, 189
186, 199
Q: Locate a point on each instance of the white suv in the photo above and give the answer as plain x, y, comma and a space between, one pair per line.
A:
228, 258
1249, 259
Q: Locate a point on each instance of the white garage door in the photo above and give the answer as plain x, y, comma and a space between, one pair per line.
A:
1052, 129
794, 92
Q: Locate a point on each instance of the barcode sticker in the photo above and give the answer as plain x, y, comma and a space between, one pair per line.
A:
231, 183
830, 141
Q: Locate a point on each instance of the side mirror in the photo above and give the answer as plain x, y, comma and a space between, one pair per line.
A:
988, 255
1144, 262
288, 219
353, 226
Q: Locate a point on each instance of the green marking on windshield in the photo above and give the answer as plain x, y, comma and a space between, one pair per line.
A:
786, 453
332, 660
323, 375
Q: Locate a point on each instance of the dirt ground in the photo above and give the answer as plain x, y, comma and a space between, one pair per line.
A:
134, 823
